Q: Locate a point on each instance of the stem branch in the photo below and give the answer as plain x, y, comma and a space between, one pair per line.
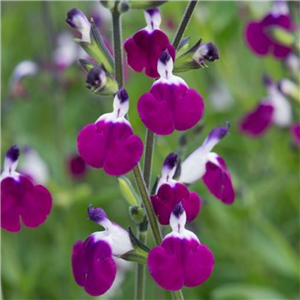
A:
184, 22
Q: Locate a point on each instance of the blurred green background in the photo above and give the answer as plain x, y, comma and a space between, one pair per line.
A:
255, 241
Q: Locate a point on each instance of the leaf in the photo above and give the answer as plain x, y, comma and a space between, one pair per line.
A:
128, 191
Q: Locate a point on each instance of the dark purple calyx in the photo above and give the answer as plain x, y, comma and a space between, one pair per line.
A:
152, 11
13, 153
96, 214
122, 95
178, 210
70, 16
93, 78
212, 52
171, 161
165, 57
267, 80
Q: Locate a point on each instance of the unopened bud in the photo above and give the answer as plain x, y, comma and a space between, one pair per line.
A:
137, 214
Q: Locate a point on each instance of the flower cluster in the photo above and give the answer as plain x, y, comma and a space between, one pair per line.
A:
275, 34
111, 145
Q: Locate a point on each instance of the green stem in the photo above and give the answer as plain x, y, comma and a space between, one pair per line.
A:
184, 22
150, 140
117, 38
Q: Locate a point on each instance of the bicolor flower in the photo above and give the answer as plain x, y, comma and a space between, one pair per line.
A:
181, 260
145, 47
257, 37
77, 19
209, 166
170, 192
21, 198
295, 131
275, 109
109, 143
94, 260
170, 104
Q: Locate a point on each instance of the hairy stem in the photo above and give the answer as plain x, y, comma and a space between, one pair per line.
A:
184, 22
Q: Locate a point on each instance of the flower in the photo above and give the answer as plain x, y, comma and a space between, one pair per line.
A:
295, 131
209, 166
273, 109
181, 260
109, 143
93, 261
145, 47
20, 197
77, 19
170, 104
170, 192
256, 32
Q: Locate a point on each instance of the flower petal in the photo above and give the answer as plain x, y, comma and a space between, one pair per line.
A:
295, 131
218, 180
10, 211
110, 145
256, 123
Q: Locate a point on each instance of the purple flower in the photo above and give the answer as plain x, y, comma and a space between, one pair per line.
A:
170, 104
109, 143
295, 131
94, 260
145, 47
205, 52
77, 19
181, 260
273, 109
209, 166
171, 192
256, 32
21, 198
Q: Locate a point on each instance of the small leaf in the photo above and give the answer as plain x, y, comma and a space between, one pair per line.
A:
136, 242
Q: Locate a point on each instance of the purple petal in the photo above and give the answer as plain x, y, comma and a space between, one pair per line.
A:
77, 166
256, 123
36, 203
10, 210
169, 196
163, 260
295, 131
218, 180
111, 146
93, 266
192, 261
144, 49
168, 107
22, 199
198, 263
258, 40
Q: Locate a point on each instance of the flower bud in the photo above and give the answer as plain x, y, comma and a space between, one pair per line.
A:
137, 214
77, 19
196, 57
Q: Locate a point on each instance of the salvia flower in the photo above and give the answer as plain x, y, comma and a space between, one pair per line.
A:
76, 166
109, 143
145, 47
94, 260
77, 19
171, 192
257, 37
274, 109
181, 260
21, 198
170, 104
209, 166
295, 131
